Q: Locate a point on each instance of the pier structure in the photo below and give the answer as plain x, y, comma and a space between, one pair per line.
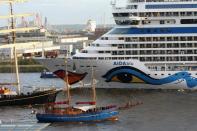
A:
28, 49
70, 44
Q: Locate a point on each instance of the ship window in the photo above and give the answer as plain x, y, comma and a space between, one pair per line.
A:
189, 13
142, 59
107, 51
100, 58
175, 13
107, 58
114, 45
182, 13
115, 14
190, 39
142, 46
128, 52
101, 52
132, 7
162, 22
84, 51
162, 45
176, 38
120, 52
134, 46
148, 46
148, 39
183, 39
114, 53
121, 38
120, 14
127, 39
128, 46
189, 21
127, 58
149, 52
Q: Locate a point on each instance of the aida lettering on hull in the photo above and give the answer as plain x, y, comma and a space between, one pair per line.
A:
122, 63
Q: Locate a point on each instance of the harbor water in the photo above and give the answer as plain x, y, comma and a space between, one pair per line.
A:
160, 111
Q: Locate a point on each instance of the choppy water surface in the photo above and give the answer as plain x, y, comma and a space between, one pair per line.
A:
161, 111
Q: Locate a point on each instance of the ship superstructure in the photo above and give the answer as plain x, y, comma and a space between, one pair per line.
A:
153, 44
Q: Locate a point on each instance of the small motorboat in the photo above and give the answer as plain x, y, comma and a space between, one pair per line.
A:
46, 74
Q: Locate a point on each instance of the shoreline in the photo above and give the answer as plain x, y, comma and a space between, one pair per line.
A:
23, 69
25, 66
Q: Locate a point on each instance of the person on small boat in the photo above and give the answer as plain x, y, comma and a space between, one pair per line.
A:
4, 90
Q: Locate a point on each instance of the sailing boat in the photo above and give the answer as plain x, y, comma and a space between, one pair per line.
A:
12, 98
70, 113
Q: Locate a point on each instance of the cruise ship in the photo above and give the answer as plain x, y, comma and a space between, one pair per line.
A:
152, 46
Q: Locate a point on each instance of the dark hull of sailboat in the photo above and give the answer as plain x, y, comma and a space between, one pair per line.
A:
86, 117
34, 98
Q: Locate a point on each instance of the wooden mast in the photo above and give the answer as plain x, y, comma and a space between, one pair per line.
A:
67, 84
93, 84
14, 50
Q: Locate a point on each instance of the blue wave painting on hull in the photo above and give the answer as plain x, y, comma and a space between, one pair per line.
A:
131, 71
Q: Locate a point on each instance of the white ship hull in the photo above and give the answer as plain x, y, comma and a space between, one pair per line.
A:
124, 74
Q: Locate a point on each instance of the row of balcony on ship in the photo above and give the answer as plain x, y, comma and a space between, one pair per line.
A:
152, 52
136, 1
163, 59
157, 14
174, 51
154, 45
171, 67
152, 39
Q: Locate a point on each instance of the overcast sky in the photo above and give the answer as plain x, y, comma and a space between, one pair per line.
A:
68, 11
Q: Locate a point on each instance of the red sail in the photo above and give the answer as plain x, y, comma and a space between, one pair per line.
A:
72, 77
